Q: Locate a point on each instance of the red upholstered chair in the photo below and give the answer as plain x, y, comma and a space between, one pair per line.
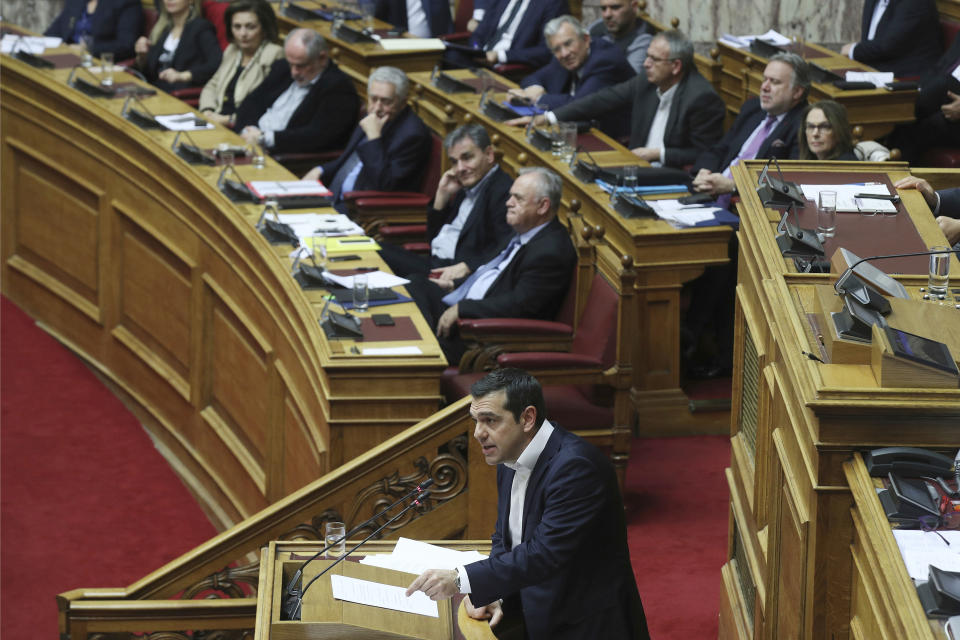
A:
462, 16
373, 209
586, 389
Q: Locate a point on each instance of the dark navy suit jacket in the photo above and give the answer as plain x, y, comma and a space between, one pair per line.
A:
198, 52
393, 162
571, 573
437, 12
528, 45
605, 66
950, 202
782, 141
323, 120
907, 40
115, 25
486, 226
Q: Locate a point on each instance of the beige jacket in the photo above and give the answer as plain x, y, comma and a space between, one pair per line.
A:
212, 95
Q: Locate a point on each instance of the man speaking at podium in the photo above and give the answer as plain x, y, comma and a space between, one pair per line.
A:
559, 562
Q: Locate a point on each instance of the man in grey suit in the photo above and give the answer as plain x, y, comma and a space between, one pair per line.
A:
675, 113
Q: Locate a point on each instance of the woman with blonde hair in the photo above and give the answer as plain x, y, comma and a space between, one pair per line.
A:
252, 31
182, 50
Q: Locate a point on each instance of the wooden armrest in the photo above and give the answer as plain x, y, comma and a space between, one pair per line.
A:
513, 326
549, 360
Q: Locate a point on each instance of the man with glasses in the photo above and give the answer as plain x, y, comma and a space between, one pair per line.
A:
675, 113
619, 24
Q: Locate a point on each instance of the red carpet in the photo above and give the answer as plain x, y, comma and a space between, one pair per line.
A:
88, 502
85, 499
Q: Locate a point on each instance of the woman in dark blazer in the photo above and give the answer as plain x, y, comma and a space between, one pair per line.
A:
825, 133
113, 25
182, 50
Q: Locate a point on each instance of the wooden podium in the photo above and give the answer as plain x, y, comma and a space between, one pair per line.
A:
323, 617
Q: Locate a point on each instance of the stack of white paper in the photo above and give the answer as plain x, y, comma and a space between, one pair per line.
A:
413, 556
878, 78
11, 43
681, 215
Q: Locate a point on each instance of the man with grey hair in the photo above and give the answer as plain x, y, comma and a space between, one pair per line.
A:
675, 114
525, 276
766, 127
466, 217
305, 104
388, 150
580, 67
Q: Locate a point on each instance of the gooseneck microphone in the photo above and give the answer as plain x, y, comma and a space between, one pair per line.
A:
291, 596
291, 608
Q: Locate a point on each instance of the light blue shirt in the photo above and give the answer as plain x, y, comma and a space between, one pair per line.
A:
277, 117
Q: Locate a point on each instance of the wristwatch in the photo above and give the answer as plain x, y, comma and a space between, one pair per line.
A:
457, 581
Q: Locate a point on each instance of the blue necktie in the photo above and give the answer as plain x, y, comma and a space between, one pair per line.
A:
461, 292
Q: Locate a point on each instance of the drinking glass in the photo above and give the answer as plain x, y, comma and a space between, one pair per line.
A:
334, 538
226, 157
827, 214
568, 138
86, 57
361, 294
939, 271
630, 177
319, 246
257, 158
106, 68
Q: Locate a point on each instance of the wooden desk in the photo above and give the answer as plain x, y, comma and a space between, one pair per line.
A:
876, 110
794, 422
358, 59
664, 257
137, 262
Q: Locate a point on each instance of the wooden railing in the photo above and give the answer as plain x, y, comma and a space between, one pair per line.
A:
213, 586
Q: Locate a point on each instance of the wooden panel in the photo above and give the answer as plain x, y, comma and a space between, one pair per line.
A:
791, 552
57, 224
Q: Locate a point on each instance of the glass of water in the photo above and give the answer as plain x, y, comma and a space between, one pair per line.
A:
106, 69
86, 55
334, 536
939, 271
361, 294
630, 178
827, 214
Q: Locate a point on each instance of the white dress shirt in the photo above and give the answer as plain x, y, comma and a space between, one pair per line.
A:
444, 244
417, 19
658, 128
503, 45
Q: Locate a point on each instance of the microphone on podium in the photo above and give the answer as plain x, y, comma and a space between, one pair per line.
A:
292, 597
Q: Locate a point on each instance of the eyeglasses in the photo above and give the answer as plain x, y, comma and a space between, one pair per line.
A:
822, 127
654, 58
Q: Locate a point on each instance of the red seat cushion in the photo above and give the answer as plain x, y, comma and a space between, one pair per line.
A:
946, 157
567, 406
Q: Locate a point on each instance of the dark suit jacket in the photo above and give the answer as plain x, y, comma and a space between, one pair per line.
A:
934, 86
572, 570
393, 162
437, 12
528, 46
486, 226
198, 52
323, 120
907, 40
950, 202
115, 25
534, 283
718, 157
605, 66
694, 124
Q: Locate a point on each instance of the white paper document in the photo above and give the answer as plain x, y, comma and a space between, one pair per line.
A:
384, 596
878, 78
28, 44
847, 202
183, 122
309, 225
742, 42
412, 44
681, 215
920, 549
413, 556
281, 188
391, 351
375, 280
